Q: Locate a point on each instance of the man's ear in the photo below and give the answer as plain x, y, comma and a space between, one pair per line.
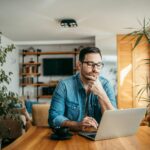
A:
78, 65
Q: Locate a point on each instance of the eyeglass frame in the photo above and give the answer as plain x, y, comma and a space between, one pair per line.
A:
92, 65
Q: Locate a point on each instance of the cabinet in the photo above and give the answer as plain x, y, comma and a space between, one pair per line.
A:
30, 72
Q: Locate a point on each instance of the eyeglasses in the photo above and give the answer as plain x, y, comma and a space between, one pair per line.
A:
92, 64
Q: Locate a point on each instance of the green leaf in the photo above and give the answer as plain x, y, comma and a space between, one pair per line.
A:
144, 31
138, 41
140, 93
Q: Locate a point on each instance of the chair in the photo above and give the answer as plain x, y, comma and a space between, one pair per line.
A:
40, 114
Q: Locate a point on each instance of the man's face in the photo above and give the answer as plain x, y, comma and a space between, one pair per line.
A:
91, 66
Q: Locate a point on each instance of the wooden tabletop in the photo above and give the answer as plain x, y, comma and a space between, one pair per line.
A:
37, 138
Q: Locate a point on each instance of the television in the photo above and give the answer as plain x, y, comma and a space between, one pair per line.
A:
57, 66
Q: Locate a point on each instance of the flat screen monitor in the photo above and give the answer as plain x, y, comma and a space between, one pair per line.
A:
57, 66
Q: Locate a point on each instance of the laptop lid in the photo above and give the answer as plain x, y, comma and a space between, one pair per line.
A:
118, 123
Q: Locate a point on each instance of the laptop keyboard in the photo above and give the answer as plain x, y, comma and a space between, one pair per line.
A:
92, 135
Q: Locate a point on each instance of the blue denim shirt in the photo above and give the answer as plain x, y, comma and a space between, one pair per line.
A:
69, 101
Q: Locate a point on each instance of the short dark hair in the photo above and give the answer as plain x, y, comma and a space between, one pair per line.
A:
88, 50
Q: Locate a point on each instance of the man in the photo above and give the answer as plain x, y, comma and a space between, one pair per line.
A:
80, 100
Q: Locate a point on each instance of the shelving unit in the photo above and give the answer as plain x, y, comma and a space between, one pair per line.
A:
30, 74
50, 53
31, 70
44, 96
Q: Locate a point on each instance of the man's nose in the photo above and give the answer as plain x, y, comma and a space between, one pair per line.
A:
94, 68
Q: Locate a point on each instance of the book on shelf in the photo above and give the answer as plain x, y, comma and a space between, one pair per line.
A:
29, 69
27, 80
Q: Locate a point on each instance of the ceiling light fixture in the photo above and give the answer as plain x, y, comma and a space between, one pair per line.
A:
68, 23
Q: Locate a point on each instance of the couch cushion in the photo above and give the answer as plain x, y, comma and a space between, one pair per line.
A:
40, 114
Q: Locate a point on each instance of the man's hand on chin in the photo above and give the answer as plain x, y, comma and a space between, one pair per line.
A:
96, 87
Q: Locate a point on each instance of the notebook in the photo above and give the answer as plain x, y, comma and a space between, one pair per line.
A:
117, 123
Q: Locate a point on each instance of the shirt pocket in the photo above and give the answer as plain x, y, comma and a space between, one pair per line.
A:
72, 111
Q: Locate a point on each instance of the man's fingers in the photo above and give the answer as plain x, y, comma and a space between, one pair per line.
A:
90, 122
95, 122
87, 124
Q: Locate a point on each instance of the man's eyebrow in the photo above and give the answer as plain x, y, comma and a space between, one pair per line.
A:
93, 62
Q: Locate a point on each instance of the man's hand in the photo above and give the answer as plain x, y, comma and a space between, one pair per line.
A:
87, 124
95, 86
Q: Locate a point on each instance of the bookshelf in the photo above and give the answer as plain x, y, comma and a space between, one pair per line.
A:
30, 70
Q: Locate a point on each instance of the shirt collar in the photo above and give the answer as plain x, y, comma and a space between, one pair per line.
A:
79, 82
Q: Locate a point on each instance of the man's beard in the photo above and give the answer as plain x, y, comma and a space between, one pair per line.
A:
87, 76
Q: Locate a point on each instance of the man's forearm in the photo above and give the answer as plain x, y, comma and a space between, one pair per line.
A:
73, 125
105, 102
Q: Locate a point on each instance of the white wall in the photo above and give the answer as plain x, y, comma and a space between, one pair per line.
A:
11, 65
107, 44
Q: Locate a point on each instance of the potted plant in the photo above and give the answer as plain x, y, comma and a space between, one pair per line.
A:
144, 31
143, 93
9, 116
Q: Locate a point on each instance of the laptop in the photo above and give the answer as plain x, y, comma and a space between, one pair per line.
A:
117, 123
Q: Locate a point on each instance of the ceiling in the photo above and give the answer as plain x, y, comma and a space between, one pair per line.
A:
34, 20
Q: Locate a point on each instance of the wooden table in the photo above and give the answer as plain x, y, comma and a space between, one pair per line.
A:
37, 138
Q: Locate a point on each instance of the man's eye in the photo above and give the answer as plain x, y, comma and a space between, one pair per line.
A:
98, 65
90, 64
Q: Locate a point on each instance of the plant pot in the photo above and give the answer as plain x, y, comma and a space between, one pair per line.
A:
9, 128
146, 120
0, 143
148, 114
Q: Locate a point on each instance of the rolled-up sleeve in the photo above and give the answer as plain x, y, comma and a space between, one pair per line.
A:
57, 108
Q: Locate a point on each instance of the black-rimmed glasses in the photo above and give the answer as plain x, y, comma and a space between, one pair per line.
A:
91, 64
